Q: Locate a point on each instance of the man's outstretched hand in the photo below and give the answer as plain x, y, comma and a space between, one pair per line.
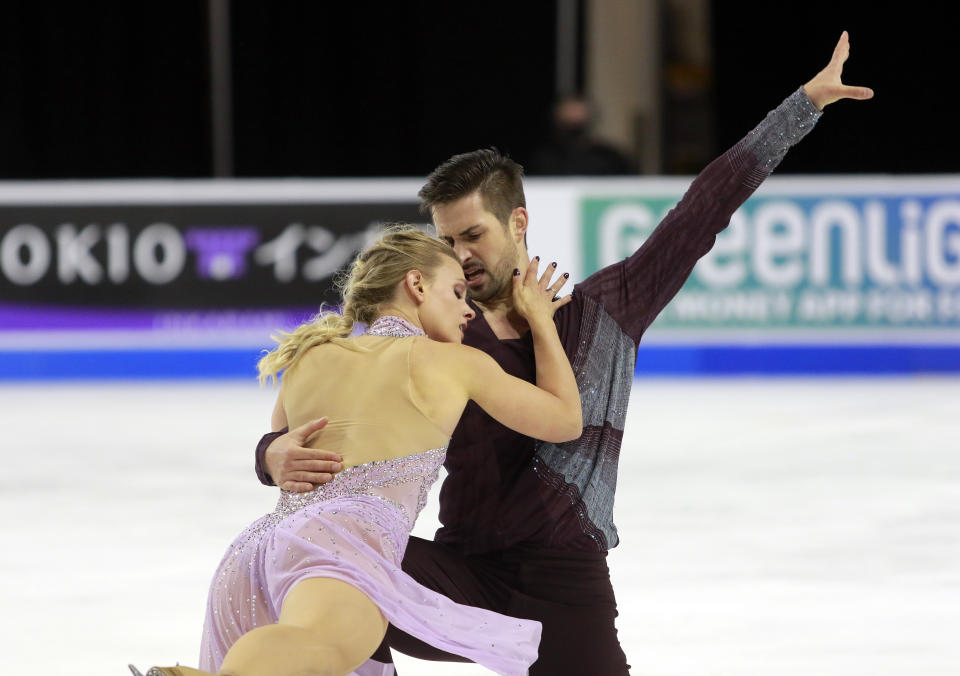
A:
293, 466
826, 87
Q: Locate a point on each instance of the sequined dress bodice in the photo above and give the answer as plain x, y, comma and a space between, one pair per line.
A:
402, 483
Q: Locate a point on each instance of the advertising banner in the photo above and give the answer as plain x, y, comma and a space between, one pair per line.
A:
190, 257
838, 275
838, 260
190, 278
174, 266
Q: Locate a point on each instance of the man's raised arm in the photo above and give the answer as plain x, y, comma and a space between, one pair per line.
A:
635, 290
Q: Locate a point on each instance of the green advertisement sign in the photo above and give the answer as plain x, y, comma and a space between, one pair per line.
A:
827, 262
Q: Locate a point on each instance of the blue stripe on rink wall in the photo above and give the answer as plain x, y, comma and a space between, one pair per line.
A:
652, 361
798, 360
130, 364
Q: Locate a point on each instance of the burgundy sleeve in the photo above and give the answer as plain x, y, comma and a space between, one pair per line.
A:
634, 291
260, 464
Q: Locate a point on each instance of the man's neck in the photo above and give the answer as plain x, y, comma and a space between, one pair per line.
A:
503, 319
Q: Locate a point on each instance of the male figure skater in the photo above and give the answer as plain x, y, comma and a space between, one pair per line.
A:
527, 524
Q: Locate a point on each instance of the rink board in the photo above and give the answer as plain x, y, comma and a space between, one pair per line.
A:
187, 279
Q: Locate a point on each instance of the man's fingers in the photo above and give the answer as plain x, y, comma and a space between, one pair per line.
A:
316, 466
297, 486
303, 432
303, 453
838, 92
308, 477
859, 93
841, 51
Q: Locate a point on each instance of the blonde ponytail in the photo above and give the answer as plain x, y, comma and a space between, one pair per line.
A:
366, 288
325, 328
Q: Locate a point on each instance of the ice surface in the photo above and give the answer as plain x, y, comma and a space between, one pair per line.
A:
768, 527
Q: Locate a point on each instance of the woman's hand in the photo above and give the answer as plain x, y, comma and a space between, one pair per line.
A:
537, 299
826, 87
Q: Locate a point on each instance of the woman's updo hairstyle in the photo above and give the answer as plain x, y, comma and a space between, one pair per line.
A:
370, 283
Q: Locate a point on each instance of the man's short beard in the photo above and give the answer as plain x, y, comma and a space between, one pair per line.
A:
495, 289
500, 278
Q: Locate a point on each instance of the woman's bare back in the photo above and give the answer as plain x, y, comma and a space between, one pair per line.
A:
376, 407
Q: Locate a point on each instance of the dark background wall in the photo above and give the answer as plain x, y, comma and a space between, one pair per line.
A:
380, 89
906, 51
387, 88
103, 91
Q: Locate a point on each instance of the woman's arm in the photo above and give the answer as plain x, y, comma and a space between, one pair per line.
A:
549, 410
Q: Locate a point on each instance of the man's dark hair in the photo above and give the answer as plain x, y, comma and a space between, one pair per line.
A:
498, 179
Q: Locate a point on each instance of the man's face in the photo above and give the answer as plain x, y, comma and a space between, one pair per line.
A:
487, 250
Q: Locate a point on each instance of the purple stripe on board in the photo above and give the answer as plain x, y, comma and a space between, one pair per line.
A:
53, 318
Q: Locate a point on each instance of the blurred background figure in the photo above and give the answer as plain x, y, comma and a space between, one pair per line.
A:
573, 149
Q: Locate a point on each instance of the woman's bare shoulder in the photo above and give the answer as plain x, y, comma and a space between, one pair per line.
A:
435, 349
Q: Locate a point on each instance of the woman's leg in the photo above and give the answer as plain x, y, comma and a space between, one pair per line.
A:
326, 628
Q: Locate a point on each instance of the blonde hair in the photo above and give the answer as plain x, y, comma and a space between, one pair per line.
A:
370, 283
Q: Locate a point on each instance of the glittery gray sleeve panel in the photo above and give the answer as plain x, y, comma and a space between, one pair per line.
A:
634, 291
781, 129
603, 365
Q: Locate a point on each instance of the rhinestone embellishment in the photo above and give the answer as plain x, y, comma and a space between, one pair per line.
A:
394, 327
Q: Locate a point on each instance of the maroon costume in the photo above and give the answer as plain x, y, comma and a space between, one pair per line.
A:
526, 523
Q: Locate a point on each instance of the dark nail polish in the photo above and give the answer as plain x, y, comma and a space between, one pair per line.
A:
516, 271
554, 264
556, 298
566, 274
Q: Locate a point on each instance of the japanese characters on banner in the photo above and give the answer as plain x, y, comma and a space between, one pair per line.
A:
183, 257
166, 272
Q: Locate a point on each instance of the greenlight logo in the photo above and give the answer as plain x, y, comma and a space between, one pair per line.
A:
797, 262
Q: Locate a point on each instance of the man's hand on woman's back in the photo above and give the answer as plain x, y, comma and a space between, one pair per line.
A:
294, 466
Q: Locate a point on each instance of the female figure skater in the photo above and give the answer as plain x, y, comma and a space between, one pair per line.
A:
310, 588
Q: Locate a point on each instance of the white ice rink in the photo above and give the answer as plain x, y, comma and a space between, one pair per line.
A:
802, 527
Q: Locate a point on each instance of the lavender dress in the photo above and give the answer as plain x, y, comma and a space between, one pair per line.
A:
355, 529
